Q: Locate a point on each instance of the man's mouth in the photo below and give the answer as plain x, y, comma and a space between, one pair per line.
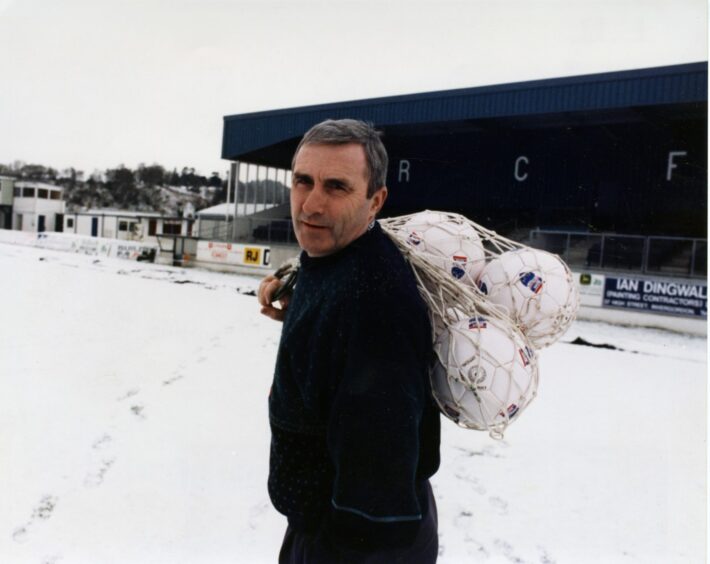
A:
313, 225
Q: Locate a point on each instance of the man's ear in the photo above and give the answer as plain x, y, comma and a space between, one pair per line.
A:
377, 201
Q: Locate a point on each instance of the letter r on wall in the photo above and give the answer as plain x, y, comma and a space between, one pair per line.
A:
403, 170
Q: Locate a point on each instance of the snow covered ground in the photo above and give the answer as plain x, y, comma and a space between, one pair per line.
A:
133, 429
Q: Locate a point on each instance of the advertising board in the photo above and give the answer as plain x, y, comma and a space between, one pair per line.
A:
656, 296
233, 254
591, 288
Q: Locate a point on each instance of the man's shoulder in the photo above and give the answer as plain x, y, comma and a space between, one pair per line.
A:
380, 269
379, 256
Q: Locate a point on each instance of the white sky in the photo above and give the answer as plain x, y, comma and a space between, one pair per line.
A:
96, 83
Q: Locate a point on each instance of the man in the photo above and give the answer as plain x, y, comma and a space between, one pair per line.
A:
355, 432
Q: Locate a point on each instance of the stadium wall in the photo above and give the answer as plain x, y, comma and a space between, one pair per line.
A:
643, 178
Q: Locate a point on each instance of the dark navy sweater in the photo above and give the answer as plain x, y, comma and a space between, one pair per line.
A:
355, 432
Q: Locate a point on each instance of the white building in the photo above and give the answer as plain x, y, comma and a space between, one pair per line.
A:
127, 225
37, 206
7, 188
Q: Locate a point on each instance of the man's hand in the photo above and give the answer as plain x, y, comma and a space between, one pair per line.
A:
267, 288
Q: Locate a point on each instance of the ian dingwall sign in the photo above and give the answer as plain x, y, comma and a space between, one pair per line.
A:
677, 298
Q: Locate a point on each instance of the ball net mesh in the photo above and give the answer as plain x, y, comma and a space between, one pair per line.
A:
486, 369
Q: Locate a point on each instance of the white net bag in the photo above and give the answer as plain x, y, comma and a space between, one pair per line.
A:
492, 302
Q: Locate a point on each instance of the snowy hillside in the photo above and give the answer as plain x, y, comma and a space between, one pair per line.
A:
133, 429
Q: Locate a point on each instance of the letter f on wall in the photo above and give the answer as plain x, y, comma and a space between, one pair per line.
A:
671, 164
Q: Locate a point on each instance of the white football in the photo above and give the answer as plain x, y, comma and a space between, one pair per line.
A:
484, 375
455, 247
537, 291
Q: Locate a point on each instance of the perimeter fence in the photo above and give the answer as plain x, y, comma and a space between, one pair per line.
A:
656, 255
666, 256
264, 231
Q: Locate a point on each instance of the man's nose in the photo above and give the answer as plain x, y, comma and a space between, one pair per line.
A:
315, 201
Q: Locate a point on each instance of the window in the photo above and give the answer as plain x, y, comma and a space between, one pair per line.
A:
171, 227
56, 195
127, 225
70, 223
18, 192
28, 192
43, 193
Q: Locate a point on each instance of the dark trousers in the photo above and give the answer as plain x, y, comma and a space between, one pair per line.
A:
303, 548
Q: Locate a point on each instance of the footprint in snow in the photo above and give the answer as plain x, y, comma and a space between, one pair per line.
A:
102, 460
499, 504
129, 394
463, 520
41, 512
545, 557
102, 442
96, 476
45, 508
474, 486
507, 550
256, 512
476, 549
20, 534
172, 379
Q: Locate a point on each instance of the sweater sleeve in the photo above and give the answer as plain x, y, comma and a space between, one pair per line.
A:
373, 434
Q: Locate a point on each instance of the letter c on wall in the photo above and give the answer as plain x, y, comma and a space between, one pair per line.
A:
518, 176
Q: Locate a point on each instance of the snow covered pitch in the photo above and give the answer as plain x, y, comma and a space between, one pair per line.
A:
133, 429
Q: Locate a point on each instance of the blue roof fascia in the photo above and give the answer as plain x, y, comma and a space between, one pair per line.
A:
674, 84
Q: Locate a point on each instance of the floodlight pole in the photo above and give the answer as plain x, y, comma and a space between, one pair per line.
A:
234, 177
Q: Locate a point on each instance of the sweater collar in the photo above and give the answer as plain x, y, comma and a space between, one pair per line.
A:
317, 262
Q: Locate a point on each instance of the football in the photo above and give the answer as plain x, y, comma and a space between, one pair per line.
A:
484, 375
537, 291
455, 247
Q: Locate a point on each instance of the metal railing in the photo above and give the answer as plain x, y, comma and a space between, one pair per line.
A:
264, 231
215, 230
667, 256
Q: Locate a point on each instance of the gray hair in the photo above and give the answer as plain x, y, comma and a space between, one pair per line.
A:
344, 131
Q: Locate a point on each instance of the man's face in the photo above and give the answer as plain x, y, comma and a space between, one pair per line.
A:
329, 204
